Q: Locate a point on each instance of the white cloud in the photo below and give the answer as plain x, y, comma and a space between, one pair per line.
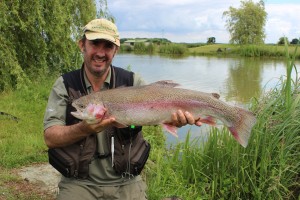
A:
283, 21
195, 20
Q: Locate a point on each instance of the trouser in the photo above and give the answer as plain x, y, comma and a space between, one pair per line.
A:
73, 191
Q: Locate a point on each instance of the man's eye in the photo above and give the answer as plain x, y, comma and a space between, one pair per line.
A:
95, 42
109, 45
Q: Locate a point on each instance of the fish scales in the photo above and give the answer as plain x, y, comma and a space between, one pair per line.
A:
153, 104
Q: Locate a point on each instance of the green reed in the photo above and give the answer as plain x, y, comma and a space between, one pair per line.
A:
174, 49
269, 168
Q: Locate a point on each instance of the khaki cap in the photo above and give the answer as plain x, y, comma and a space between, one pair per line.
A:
102, 29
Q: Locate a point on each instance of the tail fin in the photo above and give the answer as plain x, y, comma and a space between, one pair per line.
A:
241, 130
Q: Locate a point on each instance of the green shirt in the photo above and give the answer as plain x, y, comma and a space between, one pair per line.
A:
100, 170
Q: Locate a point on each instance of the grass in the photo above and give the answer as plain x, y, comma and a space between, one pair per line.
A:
267, 50
22, 141
269, 168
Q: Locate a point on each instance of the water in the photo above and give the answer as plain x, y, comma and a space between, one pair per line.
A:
237, 80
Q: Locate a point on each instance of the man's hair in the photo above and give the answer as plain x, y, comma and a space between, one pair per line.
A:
83, 39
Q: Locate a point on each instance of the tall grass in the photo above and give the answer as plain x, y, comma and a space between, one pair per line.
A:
175, 49
269, 168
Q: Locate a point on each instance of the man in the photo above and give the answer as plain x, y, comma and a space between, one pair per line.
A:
99, 45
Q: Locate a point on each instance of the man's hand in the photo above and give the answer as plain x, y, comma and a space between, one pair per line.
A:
181, 118
97, 125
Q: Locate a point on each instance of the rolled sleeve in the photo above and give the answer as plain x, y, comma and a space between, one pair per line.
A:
55, 113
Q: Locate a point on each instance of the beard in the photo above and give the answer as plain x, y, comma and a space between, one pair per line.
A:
97, 66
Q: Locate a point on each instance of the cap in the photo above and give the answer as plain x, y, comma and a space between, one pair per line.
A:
102, 29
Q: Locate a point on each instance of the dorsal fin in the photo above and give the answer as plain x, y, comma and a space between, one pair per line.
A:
216, 95
165, 83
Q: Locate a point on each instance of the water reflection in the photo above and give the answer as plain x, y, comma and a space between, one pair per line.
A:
244, 80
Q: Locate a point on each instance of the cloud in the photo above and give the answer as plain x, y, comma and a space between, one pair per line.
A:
283, 21
194, 20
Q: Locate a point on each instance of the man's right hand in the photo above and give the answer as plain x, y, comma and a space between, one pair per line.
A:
97, 125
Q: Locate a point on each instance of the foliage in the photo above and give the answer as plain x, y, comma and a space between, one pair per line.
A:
141, 47
246, 24
211, 40
282, 40
38, 37
103, 11
295, 41
157, 41
175, 49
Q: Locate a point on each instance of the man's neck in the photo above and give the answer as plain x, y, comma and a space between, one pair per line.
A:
96, 81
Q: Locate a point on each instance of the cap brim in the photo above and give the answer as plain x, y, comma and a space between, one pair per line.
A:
95, 36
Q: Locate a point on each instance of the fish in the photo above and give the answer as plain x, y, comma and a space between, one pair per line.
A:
153, 104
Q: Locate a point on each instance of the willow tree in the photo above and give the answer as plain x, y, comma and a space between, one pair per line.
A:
103, 11
246, 24
39, 37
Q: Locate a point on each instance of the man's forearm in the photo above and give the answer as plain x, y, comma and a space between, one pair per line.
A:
59, 136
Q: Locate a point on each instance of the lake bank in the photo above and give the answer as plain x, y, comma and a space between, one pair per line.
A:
264, 50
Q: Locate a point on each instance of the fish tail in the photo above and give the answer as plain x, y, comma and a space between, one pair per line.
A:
241, 130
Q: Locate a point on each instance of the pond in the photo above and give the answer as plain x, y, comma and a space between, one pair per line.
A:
237, 80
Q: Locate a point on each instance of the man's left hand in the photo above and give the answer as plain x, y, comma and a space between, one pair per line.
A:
181, 118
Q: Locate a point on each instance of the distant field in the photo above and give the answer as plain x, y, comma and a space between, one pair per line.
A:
267, 50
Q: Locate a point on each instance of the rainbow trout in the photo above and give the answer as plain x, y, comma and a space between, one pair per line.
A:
153, 104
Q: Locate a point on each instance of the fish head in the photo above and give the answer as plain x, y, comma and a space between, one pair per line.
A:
88, 110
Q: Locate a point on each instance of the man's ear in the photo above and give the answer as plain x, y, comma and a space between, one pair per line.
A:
81, 45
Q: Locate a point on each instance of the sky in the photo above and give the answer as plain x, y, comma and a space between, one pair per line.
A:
194, 21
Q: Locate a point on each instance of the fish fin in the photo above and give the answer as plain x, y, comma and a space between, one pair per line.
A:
166, 83
216, 95
241, 131
208, 120
171, 129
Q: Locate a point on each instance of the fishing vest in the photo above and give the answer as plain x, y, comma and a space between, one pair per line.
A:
73, 160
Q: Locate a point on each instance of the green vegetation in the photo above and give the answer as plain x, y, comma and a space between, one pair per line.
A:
154, 45
22, 142
174, 49
246, 24
38, 37
267, 50
220, 168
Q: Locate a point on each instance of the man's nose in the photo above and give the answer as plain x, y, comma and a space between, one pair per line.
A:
100, 50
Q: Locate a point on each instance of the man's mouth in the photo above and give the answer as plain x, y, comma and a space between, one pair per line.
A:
99, 60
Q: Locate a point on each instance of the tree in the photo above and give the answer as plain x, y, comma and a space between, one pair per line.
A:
39, 37
295, 41
246, 24
103, 11
282, 40
211, 40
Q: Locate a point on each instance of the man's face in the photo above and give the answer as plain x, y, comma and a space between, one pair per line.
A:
98, 55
